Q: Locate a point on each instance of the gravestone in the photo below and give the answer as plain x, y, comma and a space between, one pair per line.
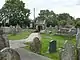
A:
68, 52
3, 40
18, 28
9, 54
11, 29
78, 43
35, 45
48, 30
78, 37
14, 30
31, 25
56, 27
52, 46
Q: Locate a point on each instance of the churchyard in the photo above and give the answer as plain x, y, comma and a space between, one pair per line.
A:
55, 47
45, 39
48, 36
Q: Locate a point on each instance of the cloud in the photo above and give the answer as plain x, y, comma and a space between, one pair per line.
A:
78, 2
58, 6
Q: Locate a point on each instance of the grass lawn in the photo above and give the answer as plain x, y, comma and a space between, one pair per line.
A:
45, 42
60, 42
19, 36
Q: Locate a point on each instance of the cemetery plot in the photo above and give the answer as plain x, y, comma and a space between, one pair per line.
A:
46, 38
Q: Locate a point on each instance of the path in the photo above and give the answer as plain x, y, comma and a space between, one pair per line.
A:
25, 54
20, 43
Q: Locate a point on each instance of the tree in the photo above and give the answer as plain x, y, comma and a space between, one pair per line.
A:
14, 11
65, 18
49, 16
62, 23
77, 22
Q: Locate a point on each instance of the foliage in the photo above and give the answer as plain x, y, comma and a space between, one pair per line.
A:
77, 24
60, 42
49, 16
55, 19
62, 23
65, 19
14, 12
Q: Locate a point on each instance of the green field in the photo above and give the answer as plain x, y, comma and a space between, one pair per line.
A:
45, 39
60, 42
21, 35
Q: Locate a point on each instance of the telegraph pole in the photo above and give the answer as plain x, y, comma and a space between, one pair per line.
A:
34, 17
34, 13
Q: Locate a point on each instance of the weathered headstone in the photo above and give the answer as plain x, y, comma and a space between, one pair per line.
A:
68, 52
11, 29
78, 43
78, 37
18, 28
9, 54
52, 46
3, 40
31, 25
14, 30
35, 46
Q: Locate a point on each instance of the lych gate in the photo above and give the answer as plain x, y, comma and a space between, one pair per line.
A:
40, 25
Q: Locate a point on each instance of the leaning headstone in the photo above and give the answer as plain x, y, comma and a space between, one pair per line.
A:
52, 46
9, 54
35, 46
3, 40
68, 52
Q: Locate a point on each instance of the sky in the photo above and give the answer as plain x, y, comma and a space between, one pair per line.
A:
58, 6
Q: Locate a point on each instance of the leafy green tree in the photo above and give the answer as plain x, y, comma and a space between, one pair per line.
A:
49, 16
62, 23
77, 22
66, 17
15, 12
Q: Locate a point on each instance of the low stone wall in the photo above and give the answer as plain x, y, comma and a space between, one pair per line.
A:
6, 29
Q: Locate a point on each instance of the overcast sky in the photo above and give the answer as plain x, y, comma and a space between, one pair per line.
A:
58, 6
